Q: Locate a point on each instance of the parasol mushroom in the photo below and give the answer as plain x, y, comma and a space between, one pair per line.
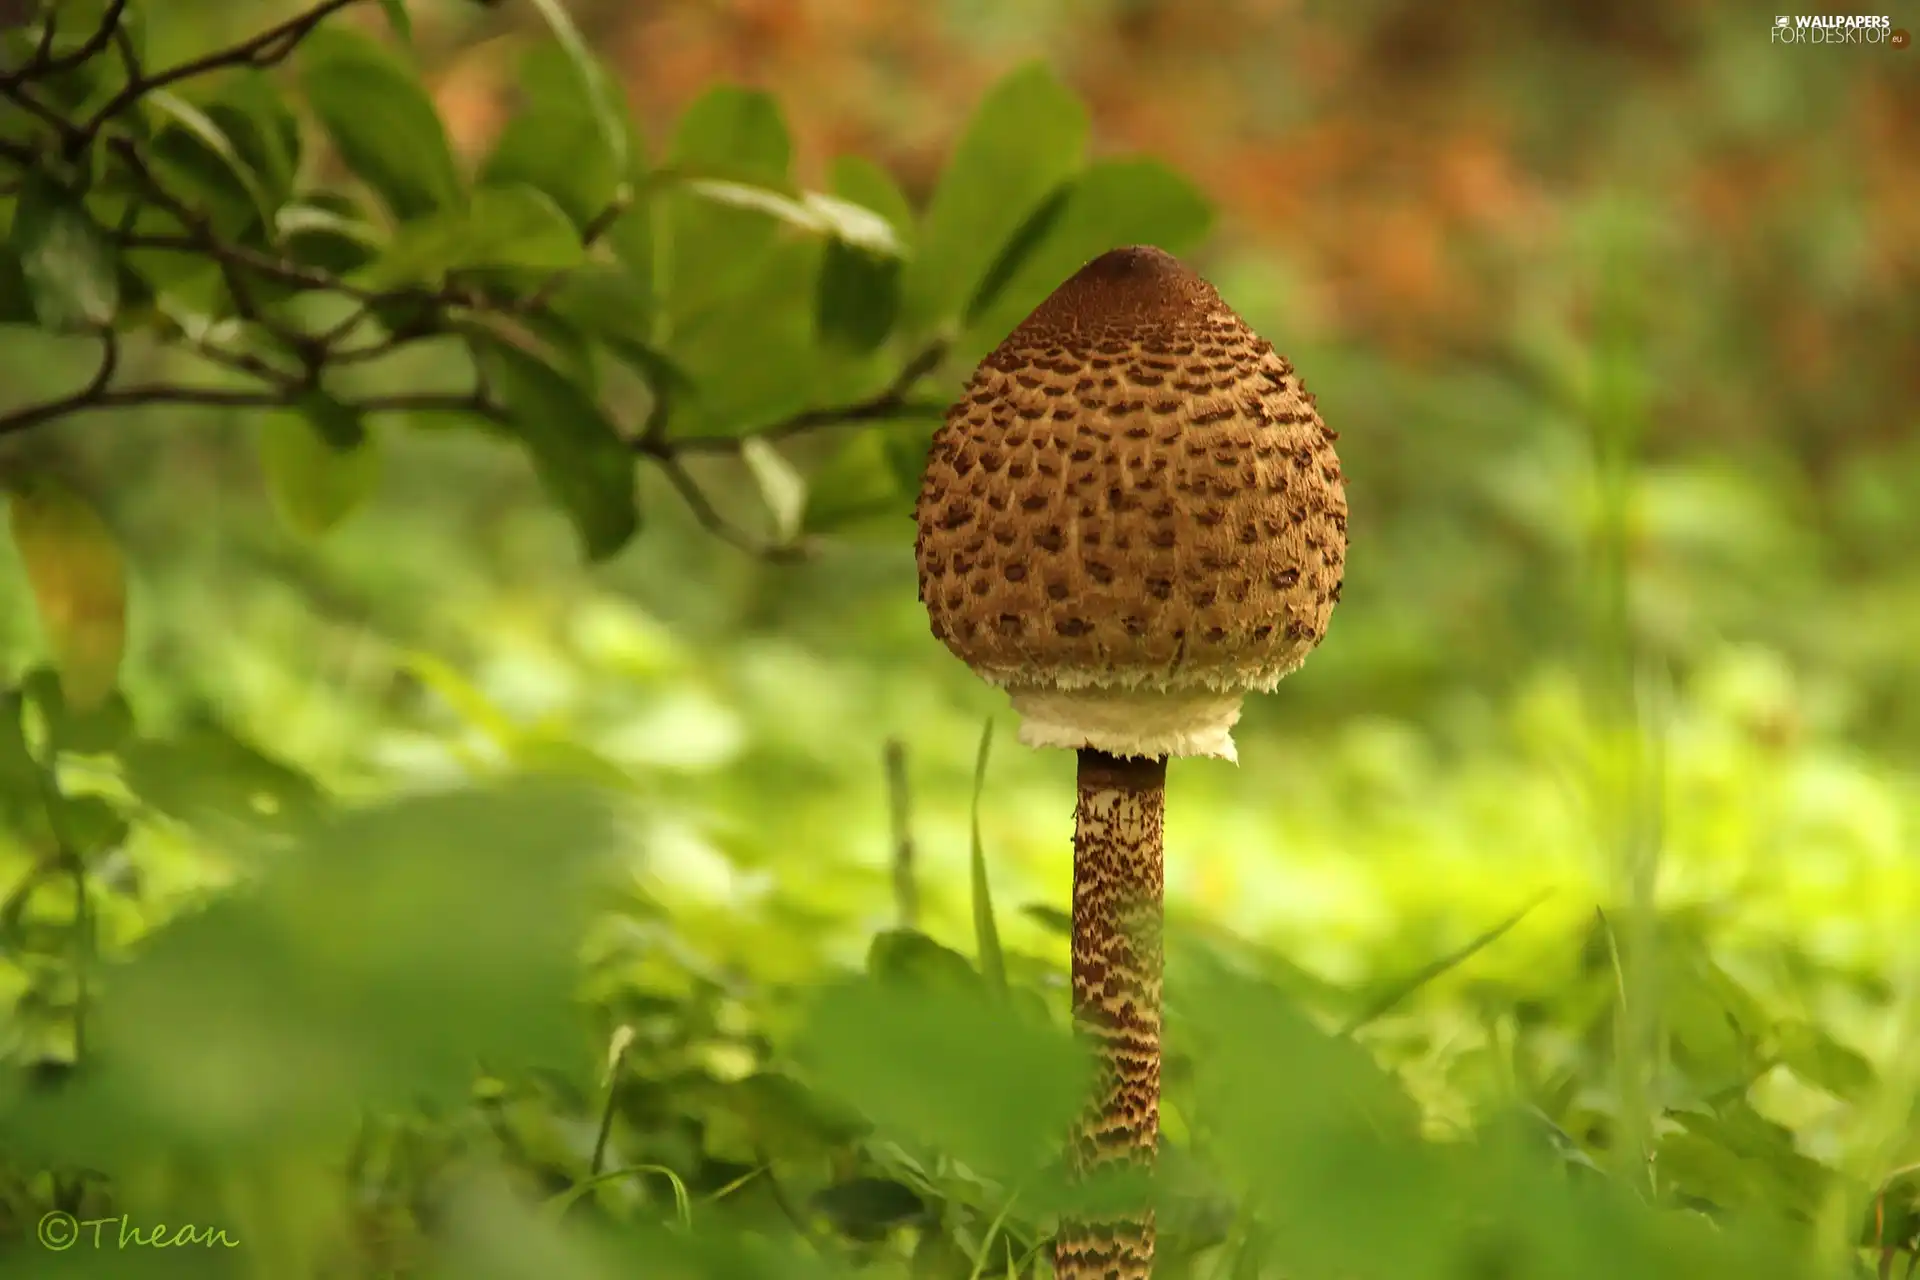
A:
1132, 517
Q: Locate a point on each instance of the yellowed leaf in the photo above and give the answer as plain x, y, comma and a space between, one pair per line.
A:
79, 585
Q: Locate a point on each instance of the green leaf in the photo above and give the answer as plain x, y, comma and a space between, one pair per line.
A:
858, 483
74, 567
736, 132
1277, 1090
714, 249
606, 302
859, 294
399, 21
986, 935
581, 459
568, 350
789, 1120
753, 358
67, 264
98, 729
868, 1208
16, 303
514, 227
858, 297
1113, 204
339, 426
87, 826
1027, 137
812, 212
253, 113
327, 239
780, 485
23, 783
949, 1069
1817, 1058
380, 955
196, 145
1048, 917
381, 121
860, 181
1015, 254
596, 88
560, 139
911, 958
205, 776
315, 479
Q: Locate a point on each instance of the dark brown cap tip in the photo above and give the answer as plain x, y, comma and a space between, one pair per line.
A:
1138, 287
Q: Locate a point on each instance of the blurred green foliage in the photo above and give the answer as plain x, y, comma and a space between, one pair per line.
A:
420, 901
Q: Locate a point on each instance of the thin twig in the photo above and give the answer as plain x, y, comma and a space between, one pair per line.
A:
709, 516
892, 401
20, 97
44, 65
90, 394
270, 46
96, 396
43, 48
201, 231
598, 226
255, 261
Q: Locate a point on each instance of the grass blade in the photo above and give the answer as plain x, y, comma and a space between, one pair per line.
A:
1399, 991
986, 936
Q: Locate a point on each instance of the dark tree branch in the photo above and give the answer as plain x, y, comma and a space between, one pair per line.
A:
892, 401
440, 309
44, 48
44, 64
264, 50
246, 362
18, 94
97, 394
204, 239
259, 263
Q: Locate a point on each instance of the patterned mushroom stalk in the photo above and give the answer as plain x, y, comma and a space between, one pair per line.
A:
1132, 517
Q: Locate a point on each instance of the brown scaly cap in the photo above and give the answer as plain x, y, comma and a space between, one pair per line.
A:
1134, 493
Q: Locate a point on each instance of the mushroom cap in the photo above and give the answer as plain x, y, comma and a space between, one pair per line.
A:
1133, 515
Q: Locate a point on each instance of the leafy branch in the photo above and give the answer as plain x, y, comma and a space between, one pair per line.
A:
77, 252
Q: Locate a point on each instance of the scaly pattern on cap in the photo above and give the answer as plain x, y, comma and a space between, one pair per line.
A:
1134, 493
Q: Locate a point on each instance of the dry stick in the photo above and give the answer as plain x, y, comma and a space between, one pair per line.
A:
1117, 876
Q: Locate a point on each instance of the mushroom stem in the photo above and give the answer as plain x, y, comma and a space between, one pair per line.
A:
1117, 866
